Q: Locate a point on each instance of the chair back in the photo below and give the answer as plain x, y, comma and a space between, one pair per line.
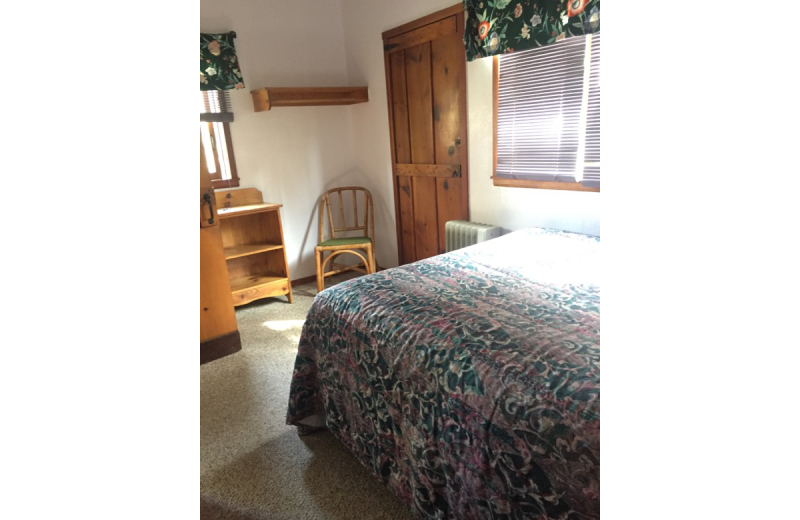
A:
340, 207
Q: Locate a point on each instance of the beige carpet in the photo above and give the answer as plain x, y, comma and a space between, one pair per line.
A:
254, 466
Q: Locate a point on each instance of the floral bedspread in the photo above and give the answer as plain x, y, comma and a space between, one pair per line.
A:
469, 383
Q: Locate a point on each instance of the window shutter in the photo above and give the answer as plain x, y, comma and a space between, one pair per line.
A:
539, 108
591, 170
215, 106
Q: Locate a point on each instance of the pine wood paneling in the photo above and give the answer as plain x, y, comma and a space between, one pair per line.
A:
400, 108
408, 249
420, 102
445, 53
425, 221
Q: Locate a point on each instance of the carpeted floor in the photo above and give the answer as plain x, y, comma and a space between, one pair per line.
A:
254, 466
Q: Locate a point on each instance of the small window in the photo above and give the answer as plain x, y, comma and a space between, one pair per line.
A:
547, 116
215, 138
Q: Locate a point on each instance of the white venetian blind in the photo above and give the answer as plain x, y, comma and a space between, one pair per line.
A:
544, 111
215, 106
591, 169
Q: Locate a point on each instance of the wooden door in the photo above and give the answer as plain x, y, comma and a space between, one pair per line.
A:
426, 84
219, 333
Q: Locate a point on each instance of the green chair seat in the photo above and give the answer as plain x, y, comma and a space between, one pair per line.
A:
349, 241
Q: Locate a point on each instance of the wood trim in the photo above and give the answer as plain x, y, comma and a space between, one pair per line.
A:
422, 22
520, 183
418, 36
390, 107
220, 346
495, 108
221, 184
217, 175
460, 21
544, 185
304, 280
217, 182
234, 180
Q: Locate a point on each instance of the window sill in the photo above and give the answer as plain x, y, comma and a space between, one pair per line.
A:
542, 185
221, 184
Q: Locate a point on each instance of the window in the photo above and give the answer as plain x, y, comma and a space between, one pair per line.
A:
215, 138
547, 116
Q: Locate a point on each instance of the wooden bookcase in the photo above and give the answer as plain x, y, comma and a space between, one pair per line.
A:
252, 239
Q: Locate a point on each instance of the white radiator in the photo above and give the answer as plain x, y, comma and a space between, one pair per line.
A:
460, 233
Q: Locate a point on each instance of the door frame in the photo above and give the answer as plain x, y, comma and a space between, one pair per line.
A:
458, 11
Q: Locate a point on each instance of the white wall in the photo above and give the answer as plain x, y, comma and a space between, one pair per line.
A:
291, 154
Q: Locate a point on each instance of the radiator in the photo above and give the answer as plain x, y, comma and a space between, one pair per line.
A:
460, 233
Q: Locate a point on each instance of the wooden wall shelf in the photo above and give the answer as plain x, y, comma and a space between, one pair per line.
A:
266, 98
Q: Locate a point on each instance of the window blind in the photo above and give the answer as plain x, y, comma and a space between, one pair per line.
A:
215, 106
591, 169
545, 106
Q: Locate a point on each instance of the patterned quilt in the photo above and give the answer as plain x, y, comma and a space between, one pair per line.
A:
469, 383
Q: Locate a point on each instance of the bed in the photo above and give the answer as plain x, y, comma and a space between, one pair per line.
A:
469, 383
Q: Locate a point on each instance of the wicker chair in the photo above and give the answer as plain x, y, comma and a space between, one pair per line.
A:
362, 245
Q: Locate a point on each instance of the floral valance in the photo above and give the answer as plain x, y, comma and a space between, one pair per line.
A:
502, 26
219, 66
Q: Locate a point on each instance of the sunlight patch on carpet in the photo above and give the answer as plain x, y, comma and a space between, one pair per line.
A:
283, 325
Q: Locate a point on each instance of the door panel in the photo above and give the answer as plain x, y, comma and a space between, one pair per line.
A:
446, 98
420, 104
425, 222
402, 146
406, 209
426, 86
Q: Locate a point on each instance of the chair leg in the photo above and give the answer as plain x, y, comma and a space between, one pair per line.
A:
371, 257
320, 275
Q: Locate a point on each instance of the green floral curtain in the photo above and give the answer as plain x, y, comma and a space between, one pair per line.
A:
502, 26
219, 66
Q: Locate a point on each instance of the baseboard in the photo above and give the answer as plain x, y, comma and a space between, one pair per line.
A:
313, 277
220, 346
307, 279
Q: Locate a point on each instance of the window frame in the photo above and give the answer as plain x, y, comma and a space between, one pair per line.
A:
217, 110
520, 183
217, 182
